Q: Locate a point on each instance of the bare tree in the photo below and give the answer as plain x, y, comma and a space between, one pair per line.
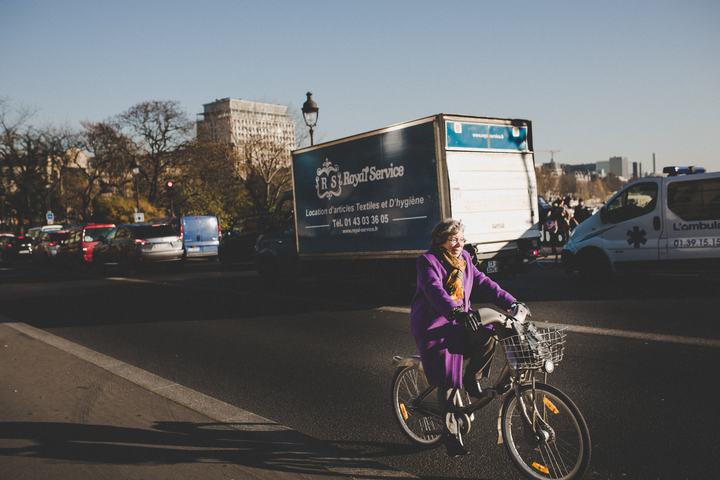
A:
264, 167
159, 128
103, 164
31, 160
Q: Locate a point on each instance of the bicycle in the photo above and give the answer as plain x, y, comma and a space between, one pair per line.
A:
544, 432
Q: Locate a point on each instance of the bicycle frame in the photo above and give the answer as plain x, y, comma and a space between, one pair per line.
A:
507, 379
528, 415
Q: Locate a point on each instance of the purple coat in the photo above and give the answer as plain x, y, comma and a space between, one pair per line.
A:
440, 341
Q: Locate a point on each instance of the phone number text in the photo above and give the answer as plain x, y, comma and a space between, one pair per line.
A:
705, 242
360, 221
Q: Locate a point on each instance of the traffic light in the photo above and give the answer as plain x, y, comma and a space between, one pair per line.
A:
169, 186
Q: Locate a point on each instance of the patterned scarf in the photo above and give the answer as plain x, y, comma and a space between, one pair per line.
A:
456, 274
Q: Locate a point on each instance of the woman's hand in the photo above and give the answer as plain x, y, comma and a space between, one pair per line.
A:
517, 307
470, 320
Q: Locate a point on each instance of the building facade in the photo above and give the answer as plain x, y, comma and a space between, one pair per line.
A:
236, 122
619, 166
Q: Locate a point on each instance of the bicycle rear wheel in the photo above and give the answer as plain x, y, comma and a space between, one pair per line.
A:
414, 416
561, 449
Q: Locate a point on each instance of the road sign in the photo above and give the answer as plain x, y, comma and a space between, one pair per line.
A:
49, 217
139, 217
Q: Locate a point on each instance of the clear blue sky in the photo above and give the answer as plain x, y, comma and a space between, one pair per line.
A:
596, 78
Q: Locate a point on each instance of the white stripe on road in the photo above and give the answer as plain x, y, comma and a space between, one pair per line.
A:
234, 417
610, 332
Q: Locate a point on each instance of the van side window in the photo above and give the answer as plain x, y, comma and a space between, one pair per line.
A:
633, 202
695, 199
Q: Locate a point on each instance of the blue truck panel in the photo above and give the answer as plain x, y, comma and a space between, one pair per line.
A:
374, 194
486, 136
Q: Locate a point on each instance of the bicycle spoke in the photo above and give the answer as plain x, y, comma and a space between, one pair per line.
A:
555, 462
414, 418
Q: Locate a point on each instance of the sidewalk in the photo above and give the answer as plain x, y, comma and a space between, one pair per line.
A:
62, 417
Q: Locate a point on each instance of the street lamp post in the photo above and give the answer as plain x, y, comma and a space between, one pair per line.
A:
48, 190
310, 112
136, 172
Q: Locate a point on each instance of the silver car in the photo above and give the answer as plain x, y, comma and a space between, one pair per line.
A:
145, 243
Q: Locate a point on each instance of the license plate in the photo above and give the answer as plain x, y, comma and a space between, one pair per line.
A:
193, 249
492, 266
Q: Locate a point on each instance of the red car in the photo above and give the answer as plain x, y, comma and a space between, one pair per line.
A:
81, 241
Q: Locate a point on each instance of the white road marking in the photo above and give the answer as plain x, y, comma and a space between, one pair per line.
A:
211, 407
609, 332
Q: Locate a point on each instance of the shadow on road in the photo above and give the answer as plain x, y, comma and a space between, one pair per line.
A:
172, 443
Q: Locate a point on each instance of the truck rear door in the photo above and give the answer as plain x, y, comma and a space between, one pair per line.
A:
492, 181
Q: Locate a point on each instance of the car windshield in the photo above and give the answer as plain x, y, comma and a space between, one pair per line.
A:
95, 234
57, 236
154, 231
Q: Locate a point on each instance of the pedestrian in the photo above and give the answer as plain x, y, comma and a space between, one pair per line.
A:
555, 225
446, 331
581, 212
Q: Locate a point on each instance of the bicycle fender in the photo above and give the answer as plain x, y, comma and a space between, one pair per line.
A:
409, 361
499, 426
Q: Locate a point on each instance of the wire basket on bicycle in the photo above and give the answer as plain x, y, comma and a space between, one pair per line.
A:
530, 351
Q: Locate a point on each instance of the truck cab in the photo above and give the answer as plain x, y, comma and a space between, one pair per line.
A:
665, 224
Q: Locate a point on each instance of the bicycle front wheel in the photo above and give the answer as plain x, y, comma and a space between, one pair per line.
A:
557, 446
412, 412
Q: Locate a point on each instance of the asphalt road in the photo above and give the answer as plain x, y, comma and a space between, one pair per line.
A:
316, 355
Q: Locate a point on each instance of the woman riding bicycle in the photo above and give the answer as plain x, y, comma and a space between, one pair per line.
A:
446, 331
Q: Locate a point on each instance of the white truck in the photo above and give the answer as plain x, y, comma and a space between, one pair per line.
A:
665, 224
378, 195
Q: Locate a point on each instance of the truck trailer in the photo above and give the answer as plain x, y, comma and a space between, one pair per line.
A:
377, 195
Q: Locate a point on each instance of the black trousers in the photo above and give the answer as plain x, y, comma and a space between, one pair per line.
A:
479, 350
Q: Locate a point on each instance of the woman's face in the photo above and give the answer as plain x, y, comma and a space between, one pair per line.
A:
454, 244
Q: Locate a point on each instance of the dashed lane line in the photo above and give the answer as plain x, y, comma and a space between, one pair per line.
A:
609, 332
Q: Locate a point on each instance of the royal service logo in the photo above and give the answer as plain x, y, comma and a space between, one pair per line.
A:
329, 180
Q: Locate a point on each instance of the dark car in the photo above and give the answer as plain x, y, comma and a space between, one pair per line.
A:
47, 245
237, 246
140, 243
78, 247
274, 252
7, 242
17, 248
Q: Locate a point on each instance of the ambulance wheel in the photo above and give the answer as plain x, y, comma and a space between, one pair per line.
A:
594, 266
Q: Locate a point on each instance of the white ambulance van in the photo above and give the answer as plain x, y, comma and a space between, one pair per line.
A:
665, 224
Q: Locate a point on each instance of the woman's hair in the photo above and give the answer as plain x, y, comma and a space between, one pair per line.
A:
444, 230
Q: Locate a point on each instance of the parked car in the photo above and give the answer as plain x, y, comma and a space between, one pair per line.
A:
7, 241
81, 241
17, 248
140, 243
237, 245
201, 236
35, 232
47, 245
